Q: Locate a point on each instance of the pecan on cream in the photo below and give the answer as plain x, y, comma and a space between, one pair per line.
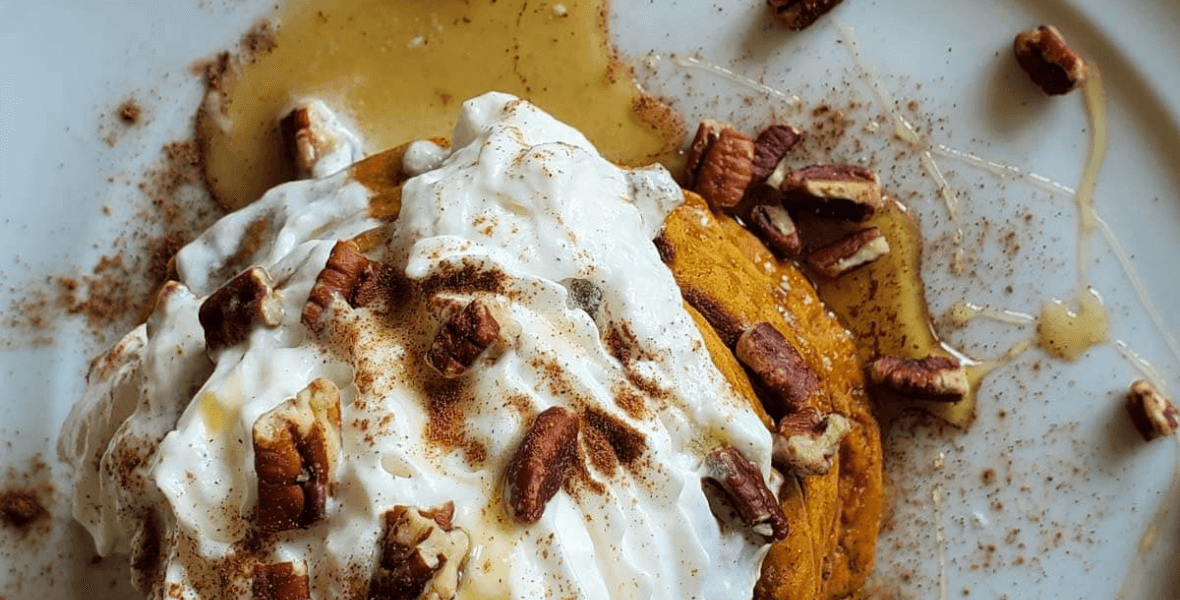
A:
1152, 414
854, 250
231, 312
798, 14
1049, 61
936, 378
847, 192
807, 441
421, 555
538, 468
747, 491
778, 367
282, 581
726, 170
309, 136
462, 339
296, 447
345, 269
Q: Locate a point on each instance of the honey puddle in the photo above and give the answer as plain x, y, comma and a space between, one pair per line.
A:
399, 69
884, 304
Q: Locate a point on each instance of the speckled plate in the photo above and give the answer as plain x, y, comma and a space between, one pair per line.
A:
1049, 493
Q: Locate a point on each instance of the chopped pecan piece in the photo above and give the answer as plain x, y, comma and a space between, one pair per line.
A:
420, 555
771, 145
229, 314
748, 492
462, 339
707, 134
1151, 412
778, 367
798, 14
807, 441
773, 224
341, 275
1049, 62
937, 378
848, 192
537, 470
281, 581
849, 252
317, 144
726, 170
296, 446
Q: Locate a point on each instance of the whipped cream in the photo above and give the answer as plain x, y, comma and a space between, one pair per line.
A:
523, 206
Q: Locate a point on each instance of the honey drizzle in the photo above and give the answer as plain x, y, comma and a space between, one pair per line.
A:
904, 131
398, 70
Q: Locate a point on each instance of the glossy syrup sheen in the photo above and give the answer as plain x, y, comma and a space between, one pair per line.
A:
399, 69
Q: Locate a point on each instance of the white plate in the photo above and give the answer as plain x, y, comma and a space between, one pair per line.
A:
1075, 488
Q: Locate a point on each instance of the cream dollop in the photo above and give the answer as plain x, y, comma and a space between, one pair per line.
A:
519, 210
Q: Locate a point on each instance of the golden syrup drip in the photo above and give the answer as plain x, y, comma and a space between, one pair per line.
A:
399, 69
1067, 330
884, 304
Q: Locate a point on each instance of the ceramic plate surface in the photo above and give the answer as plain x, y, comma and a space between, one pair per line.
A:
1048, 494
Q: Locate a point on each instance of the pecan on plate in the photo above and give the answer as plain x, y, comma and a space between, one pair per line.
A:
462, 339
231, 312
848, 192
849, 252
798, 14
748, 492
1152, 414
1049, 62
807, 441
296, 446
778, 367
281, 581
421, 555
937, 378
537, 470
344, 271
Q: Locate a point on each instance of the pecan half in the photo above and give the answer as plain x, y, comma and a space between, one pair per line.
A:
420, 555
230, 313
341, 275
462, 339
778, 367
798, 14
1151, 412
854, 250
281, 581
807, 441
1049, 62
771, 145
311, 135
937, 378
774, 226
537, 470
296, 446
726, 170
748, 492
848, 192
